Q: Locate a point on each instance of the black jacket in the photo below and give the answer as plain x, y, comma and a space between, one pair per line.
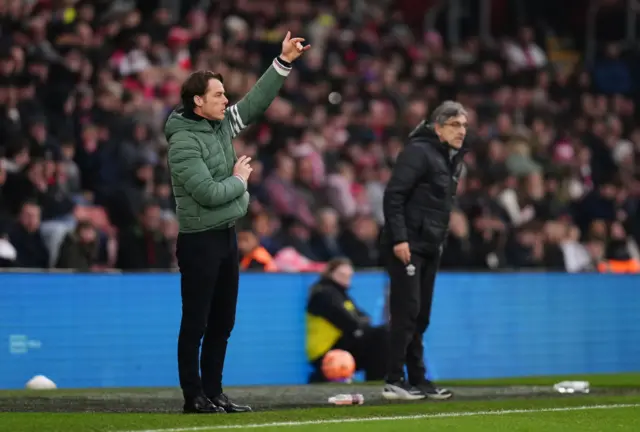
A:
332, 318
420, 194
332, 302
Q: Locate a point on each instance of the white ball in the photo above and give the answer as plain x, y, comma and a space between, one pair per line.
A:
40, 382
335, 98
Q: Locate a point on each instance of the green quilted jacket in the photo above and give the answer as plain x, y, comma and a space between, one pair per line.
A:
201, 158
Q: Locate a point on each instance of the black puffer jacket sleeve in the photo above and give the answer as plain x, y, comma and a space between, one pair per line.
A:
408, 169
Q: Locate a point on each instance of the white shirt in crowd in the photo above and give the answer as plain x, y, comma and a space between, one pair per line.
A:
519, 57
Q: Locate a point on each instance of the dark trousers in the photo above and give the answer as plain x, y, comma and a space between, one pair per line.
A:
209, 269
365, 350
410, 299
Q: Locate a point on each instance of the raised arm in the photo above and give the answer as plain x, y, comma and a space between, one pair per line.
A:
257, 100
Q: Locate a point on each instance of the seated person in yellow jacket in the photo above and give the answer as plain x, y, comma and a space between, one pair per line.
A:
335, 322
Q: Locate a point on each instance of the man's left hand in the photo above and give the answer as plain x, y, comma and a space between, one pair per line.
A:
292, 48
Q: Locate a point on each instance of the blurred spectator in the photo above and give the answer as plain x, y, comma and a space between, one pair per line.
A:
375, 191
297, 235
252, 255
459, 251
68, 171
325, 243
80, 248
554, 236
524, 53
5, 214
143, 246
527, 248
266, 226
257, 189
340, 190
8, 253
576, 256
86, 86
286, 199
17, 156
611, 74
26, 237
170, 229
620, 255
360, 242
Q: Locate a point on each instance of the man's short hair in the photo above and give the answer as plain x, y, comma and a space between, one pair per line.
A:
447, 110
196, 85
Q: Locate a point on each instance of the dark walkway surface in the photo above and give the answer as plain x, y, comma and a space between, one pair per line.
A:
260, 398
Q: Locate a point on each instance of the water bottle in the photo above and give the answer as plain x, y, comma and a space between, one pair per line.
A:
572, 387
347, 399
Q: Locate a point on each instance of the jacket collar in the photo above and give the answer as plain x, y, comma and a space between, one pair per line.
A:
190, 115
426, 133
328, 281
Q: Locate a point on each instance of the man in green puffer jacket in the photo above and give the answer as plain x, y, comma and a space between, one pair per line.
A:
210, 187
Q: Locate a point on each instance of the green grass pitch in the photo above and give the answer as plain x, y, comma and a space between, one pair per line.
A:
613, 405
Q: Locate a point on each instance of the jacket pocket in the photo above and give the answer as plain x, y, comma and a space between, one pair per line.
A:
190, 223
426, 230
243, 203
433, 228
227, 213
193, 216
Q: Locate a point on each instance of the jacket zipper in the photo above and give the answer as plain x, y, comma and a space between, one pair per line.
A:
226, 163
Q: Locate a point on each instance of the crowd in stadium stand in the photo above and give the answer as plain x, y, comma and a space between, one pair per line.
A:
85, 86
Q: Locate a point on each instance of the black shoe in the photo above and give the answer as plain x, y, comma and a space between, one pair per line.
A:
225, 404
401, 390
201, 405
430, 391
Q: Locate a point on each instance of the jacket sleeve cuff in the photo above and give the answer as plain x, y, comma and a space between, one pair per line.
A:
244, 183
399, 237
281, 66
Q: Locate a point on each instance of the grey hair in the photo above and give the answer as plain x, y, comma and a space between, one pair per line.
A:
447, 110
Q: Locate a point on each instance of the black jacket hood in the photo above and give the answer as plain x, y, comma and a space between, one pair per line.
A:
426, 132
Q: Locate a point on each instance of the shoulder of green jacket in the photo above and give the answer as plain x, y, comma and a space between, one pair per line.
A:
176, 123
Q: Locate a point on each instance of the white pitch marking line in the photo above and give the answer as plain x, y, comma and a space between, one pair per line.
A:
407, 417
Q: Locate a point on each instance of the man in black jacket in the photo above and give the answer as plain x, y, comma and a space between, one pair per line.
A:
417, 203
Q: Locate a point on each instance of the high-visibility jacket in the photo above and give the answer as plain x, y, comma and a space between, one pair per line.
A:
619, 266
258, 259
